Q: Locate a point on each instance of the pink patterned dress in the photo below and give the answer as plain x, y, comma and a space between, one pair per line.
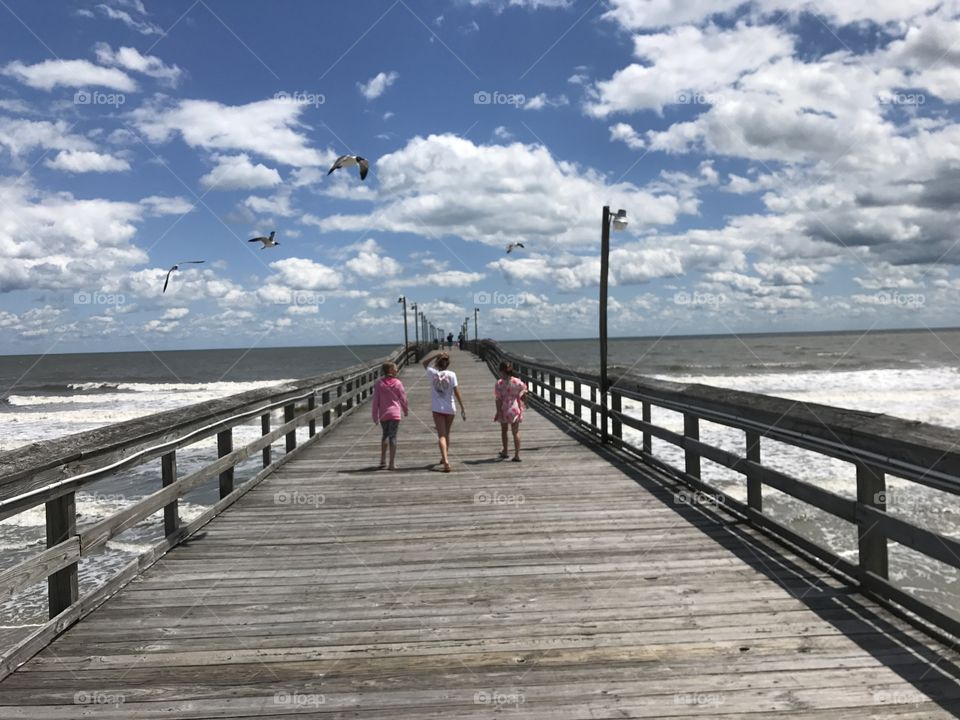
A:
509, 392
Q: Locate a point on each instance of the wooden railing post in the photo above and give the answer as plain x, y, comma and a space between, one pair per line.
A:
265, 430
225, 447
871, 542
593, 409
61, 525
168, 476
312, 405
647, 437
578, 403
339, 398
324, 399
553, 389
754, 486
289, 412
616, 405
349, 393
691, 429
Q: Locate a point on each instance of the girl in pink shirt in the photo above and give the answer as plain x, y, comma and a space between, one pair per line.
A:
388, 406
510, 394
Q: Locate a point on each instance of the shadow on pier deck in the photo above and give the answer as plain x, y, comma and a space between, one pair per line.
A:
571, 585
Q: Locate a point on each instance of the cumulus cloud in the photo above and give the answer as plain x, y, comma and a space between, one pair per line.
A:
237, 172
269, 128
48, 74
495, 194
130, 58
370, 265
378, 84
84, 161
686, 64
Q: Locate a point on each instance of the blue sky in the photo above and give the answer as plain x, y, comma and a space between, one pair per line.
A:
785, 165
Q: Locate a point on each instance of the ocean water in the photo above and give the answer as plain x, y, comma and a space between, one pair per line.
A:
909, 374
912, 375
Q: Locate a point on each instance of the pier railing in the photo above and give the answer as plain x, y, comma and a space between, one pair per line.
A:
876, 445
50, 474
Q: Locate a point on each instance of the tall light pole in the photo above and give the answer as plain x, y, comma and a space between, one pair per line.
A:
416, 325
619, 222
476, 335
406, 337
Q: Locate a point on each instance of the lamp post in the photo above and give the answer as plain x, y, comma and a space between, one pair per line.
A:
406, 337
619, 222
476, 335
416, 326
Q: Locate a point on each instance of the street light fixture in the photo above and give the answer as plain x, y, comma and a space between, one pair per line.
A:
416, 324
476, 335
619, 222
406, 337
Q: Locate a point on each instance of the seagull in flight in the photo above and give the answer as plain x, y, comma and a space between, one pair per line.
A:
177, 267
351, 160
268, 242
511, 246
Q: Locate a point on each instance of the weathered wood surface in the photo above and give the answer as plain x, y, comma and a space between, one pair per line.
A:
567, 586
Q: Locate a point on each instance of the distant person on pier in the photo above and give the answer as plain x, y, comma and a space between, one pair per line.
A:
450, 341
389, 405
461, 341
445, 394
510, 395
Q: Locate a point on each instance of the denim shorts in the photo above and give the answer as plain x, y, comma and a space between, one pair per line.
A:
390, 428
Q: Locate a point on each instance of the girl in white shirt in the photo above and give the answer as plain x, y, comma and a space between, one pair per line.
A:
445, 394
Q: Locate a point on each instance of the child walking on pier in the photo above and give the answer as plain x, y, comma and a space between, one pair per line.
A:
444, 398
388, 406
511, 398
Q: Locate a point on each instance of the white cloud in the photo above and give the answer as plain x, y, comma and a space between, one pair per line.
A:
130, 59
495, 194
541, 101
647, 14
686, 64
378, 84
48, 74
236, 172
626, 134
270, 128
279, 204
83, 161
370, 265
158, 205
21, 136
144, 27
304, 274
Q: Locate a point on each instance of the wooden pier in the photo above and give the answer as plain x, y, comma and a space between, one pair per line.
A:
571, 585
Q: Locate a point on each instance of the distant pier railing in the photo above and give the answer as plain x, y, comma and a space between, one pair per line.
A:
50, 474
877, 445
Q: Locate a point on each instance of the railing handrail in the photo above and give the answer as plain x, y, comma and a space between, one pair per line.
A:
46, 469
923, 452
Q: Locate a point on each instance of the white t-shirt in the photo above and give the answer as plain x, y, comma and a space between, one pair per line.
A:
442, 384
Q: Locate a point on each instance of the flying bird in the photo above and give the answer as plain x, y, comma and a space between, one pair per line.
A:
349, 161
268, 242
511, 246
177, 267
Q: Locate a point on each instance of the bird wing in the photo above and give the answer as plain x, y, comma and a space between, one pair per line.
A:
259, 239
167, 281
191, 262
520, 245
340, 162
364, 167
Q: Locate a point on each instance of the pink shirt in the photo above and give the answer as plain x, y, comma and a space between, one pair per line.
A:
389, 400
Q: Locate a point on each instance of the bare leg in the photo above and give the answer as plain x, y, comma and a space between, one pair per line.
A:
448, 423
383, 453
503, 440
516, 439
441, 423
393, 456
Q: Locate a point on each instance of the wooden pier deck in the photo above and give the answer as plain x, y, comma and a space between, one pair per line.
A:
570, 585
